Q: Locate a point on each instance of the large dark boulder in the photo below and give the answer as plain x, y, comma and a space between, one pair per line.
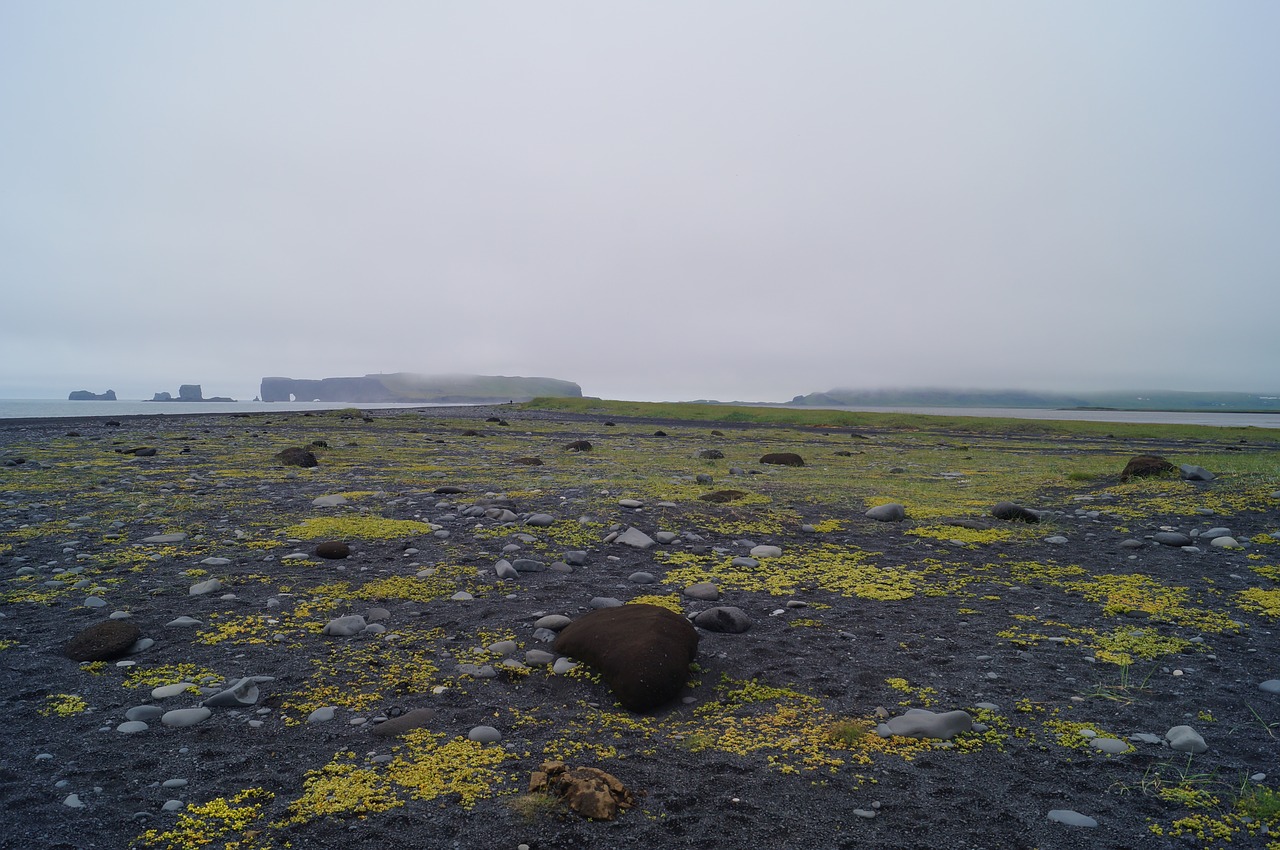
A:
1147, 466
1014, 512
642, 651
295, 456
102, 641
783, 459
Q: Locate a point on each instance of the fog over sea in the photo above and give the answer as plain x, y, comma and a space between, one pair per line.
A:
62, 409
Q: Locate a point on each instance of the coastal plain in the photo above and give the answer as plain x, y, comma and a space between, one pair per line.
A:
1115, 660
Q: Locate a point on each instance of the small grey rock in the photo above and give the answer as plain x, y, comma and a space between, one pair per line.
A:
1071, 818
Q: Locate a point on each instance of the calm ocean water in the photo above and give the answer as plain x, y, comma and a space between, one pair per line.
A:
58, 408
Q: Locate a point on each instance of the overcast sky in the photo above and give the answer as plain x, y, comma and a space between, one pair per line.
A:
658, 200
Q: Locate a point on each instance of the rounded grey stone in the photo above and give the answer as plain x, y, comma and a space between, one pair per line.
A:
892, 512
502, 647
144, 712
703, 590
321, 715
185, 716
1271, 686
132, 727
1112, 746
1184, 739
1171, 538
351, 624
485, 735
563, 665
205, 587
555, 622
642, 577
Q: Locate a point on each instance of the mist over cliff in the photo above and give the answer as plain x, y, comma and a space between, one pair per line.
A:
413, 387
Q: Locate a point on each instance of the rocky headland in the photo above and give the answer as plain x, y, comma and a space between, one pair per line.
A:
414, 388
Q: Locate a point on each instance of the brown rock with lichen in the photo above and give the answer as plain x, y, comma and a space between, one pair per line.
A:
1146, 466
102, 641
642, 651
589, 791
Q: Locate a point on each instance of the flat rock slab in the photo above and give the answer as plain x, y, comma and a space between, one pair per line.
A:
418, 718
1072, 818
922, 723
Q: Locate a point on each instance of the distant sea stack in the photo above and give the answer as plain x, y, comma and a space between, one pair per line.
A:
85, 395
410, 387
188, 392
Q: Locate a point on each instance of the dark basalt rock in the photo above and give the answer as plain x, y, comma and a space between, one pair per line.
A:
642, 651
711, 454
659, 433
783, 459
295, 456
102, 641
1147, 466
1014, 513
578, 446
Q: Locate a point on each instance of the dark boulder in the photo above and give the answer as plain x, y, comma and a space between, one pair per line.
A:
102, 641
643, 652
578, 446
1147, 466
659, 433
295, 456
1014, 513
722, 496
783, 459
711, 454
334, 550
